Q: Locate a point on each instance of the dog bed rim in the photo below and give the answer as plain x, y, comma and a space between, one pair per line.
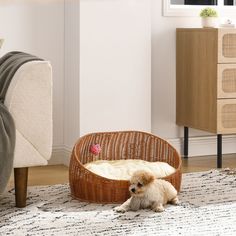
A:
104, 179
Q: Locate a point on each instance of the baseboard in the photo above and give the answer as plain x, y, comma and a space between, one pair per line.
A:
198, 146
205, 146
60, 156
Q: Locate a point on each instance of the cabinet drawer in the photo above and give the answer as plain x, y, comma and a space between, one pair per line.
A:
227, 46
226, 81
226, 116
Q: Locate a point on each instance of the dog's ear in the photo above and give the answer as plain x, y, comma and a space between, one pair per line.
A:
143, 176
147, 178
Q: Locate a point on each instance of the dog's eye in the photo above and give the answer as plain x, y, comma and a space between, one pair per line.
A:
140, 185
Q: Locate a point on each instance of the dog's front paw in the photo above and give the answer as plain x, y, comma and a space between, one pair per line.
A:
175, 201
159, 209
120, 209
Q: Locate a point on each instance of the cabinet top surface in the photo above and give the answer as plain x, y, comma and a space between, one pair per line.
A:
205, 29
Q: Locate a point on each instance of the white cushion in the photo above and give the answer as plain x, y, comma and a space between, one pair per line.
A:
25, 153
29, 100
123, 169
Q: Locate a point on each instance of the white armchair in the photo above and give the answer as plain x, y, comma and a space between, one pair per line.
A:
29, 100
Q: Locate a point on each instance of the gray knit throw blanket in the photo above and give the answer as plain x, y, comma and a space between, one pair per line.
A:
9, 64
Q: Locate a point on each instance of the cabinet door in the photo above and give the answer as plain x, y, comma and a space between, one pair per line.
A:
226, 81
227, 46
226, 116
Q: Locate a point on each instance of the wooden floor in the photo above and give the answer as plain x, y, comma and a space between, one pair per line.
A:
49, 175
196, 164
45, 175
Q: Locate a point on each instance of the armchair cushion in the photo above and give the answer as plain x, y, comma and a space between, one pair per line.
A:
29, 100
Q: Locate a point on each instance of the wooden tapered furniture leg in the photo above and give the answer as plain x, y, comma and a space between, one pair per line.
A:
21, 179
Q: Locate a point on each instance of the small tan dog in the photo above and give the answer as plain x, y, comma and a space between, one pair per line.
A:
148, 192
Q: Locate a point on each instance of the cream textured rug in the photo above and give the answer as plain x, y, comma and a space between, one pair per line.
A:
208, 207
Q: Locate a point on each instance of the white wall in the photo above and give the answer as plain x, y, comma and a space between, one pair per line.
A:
115, 65
96, 24
107, 67
116, 55
100, 31
99, 21
72, 73
163, 71
38, 28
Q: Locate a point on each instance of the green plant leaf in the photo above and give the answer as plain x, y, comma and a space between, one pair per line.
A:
208, 12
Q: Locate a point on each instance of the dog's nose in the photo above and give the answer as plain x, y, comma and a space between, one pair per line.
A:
133, 190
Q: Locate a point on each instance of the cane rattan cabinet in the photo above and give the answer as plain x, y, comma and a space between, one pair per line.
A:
206, 79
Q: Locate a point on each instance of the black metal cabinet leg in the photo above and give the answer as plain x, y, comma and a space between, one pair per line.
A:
185, 142
219, 150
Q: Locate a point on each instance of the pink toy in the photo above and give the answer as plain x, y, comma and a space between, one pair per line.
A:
95, 149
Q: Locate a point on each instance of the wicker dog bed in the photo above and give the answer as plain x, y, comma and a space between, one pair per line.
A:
87, 186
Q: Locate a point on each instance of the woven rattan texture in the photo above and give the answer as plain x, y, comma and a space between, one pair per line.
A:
228, 116
229, 45
229, 81
87, 186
